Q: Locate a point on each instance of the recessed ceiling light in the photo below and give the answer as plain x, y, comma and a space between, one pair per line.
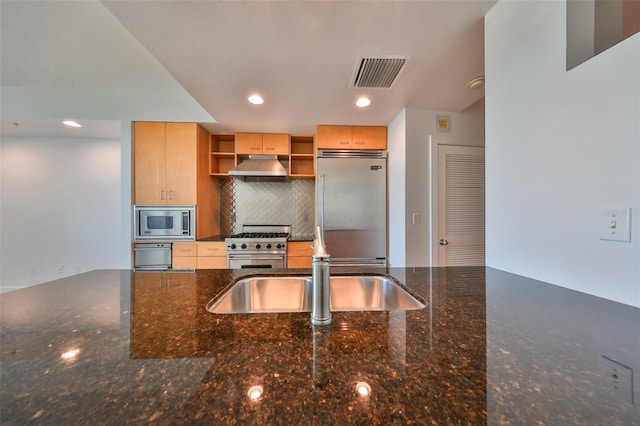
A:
363, 102
71, 123
477, 83
256, 99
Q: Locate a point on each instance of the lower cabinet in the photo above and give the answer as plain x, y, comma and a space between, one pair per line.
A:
199, 255
184, 255
211, 255
299, 254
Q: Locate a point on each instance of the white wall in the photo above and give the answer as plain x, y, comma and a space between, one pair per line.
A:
560, 145
396, 187
410, 180
125, 106
60, 207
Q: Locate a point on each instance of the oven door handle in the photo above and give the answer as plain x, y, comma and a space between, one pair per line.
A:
252, 257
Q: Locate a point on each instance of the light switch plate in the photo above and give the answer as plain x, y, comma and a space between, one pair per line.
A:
615, 224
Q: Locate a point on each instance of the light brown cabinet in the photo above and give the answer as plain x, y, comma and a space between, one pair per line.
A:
222, 154
165, 163
299, 254
199, 255
184, 255
302, 157
351, 137
262, 143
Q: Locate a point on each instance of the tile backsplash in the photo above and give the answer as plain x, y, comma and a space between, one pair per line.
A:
274, 203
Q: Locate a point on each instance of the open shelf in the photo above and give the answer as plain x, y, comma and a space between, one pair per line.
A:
222, 154
302, 157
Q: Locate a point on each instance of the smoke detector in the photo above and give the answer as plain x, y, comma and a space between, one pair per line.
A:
377, 72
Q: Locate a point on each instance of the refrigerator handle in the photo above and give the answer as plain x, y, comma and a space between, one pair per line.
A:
321, 209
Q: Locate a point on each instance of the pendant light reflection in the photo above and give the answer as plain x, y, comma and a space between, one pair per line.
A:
255, 392
70, 355
71, 123
363, 389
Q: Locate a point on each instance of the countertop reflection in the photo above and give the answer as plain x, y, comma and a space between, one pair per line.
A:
122, 347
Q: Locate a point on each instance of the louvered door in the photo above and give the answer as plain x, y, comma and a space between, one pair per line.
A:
460, 206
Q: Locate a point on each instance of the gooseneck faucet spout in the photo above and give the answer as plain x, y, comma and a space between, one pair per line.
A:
320, 309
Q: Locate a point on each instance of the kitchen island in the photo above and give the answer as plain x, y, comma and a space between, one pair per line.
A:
122, 347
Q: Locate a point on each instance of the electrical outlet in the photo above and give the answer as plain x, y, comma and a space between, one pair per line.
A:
617, 379
78, 269
34, 269
61, 269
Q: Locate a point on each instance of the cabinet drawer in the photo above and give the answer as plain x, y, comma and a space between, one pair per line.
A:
184, 249
300, 248
181, 262
216, 248
211, 262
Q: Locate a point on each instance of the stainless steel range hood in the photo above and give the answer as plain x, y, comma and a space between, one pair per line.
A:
260, 167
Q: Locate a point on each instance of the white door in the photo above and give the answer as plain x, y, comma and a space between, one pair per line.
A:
460, 210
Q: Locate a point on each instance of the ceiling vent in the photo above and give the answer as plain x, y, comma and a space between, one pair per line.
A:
380, 72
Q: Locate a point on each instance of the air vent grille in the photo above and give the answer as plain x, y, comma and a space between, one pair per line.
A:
377, 72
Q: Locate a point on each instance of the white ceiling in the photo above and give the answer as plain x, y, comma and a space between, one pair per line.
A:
300, 55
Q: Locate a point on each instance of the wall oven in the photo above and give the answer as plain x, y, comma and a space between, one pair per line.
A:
164, 223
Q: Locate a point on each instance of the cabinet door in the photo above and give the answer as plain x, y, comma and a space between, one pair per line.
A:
212, 262
149, 163
298, 262
369, 137
275, 143
249, 143
333, 137
182, 148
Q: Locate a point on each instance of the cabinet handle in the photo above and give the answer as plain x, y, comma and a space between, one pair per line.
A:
170, 195
161, 194
359, 143
344, 142
268, 149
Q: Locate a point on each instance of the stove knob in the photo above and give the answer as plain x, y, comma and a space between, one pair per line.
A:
257, 246
268, 245
243, 246
278, 246
232, 246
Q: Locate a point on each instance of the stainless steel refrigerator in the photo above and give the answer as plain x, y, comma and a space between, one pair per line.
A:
351, 202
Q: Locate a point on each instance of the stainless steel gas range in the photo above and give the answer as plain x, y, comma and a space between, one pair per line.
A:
258, 246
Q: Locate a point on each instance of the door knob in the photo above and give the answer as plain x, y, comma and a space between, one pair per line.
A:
444, 242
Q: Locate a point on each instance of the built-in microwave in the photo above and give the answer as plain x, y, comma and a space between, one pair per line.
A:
164, 222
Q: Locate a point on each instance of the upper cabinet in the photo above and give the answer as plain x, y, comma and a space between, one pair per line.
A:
165, 161
296, 152
351, 137
262, 143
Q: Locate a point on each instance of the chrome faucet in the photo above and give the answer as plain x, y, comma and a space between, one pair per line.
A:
320, 309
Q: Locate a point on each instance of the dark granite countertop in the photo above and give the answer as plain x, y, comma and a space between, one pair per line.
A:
489, 348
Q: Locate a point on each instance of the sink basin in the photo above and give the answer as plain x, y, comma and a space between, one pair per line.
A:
293, 294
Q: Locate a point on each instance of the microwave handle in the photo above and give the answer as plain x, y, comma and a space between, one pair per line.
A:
185, 222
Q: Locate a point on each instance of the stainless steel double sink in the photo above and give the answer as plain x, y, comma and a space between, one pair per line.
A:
270, 294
